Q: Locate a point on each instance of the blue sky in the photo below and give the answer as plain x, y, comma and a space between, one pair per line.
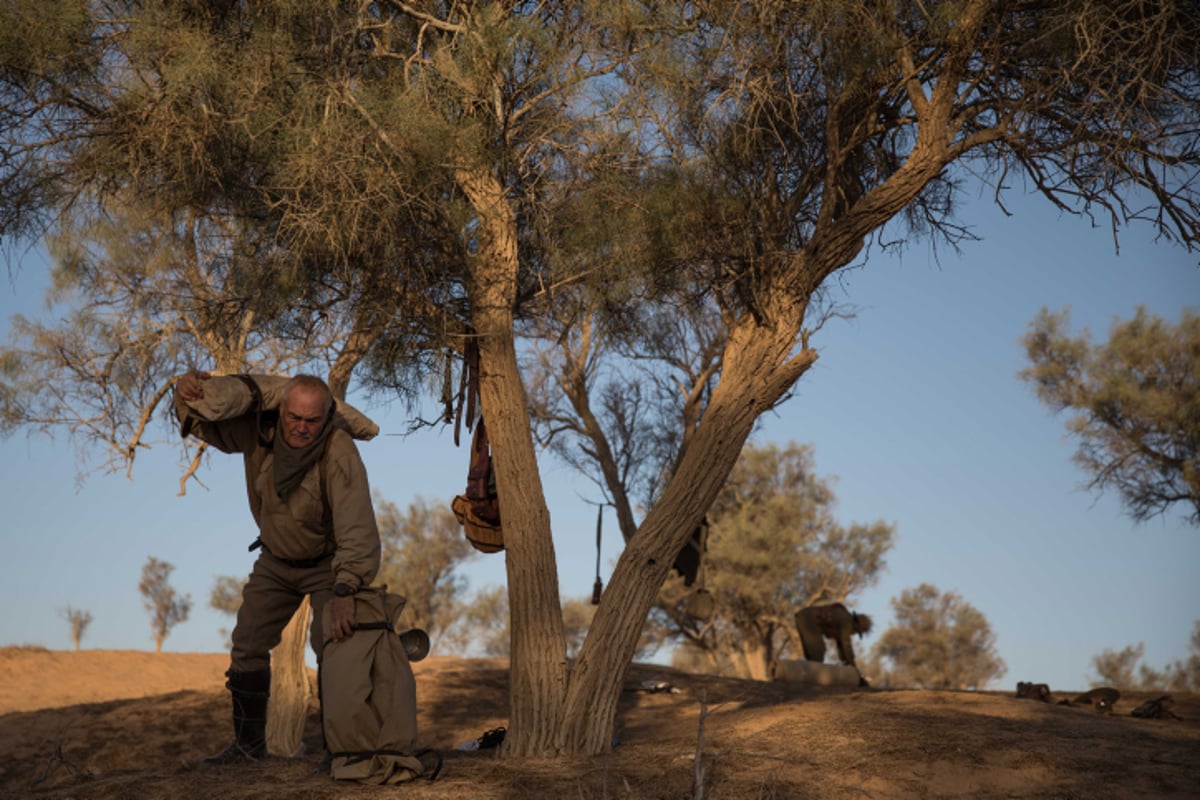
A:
914, 406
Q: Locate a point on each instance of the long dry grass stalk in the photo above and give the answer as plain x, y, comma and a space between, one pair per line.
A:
698, 790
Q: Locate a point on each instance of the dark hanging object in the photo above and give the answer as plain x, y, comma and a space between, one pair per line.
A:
598, 586
687, 563
448, 389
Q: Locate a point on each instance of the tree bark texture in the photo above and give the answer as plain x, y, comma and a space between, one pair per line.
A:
290, 690
553, 710
759, 369
538, 644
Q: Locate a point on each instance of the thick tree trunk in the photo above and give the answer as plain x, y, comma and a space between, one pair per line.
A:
538, 645
553, 710
758, 370
290, 691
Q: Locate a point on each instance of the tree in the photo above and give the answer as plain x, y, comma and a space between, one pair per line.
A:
1135, 403
1117, 668
1121, 670
167, 609
79, 621
172, 262
1186, 673
226, 597
577, 618
938, 641
422, 549
774, 547
773, 217
487, 622
433, 153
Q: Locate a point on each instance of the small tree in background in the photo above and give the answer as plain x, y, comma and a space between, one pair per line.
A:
226, 597
167, 609
577, 618
1189, 668
1121, 670
1118, 668
423, 546
79, 621
1135, 403
938, 641
774, 547
486, 623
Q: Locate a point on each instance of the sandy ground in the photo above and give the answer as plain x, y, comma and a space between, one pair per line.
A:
131, 724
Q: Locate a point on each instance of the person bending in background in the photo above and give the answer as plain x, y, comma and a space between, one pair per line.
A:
834, 621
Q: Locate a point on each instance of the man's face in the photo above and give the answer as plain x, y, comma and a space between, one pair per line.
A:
303, 415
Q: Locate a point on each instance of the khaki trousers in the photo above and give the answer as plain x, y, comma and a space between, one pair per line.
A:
269, 600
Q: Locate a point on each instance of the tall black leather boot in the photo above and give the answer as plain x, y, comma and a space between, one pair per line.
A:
250, 691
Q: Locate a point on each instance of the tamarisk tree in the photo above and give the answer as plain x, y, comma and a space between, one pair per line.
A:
1134, 403
428, 166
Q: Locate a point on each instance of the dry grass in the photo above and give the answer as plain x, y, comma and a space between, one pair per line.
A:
126, 724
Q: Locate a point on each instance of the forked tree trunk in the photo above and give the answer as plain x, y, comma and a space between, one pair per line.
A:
757, 371
290, 690
554, 710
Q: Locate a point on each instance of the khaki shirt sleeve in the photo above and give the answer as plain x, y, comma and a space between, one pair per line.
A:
237, 435
355, 532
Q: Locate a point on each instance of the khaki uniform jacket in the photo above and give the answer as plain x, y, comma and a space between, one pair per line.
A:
329, 512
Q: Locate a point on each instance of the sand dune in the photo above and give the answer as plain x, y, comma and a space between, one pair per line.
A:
130, 724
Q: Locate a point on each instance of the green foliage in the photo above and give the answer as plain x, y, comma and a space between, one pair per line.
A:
1134, 403
938, 641
393, 172
774, 546
167, 608
45, 35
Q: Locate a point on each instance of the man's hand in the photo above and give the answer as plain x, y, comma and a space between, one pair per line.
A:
342, 614
190, 385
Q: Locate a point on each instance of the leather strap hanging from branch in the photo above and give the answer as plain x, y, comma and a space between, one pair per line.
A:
448, 389
468, 386
478, 508
598, 586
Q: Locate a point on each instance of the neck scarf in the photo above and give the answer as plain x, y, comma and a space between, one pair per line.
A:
293, 463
